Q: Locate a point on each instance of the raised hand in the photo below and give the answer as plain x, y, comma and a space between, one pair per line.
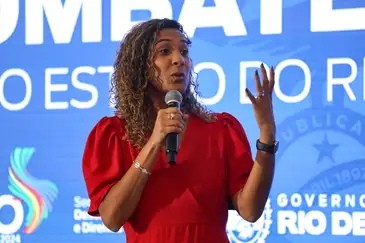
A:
262, 103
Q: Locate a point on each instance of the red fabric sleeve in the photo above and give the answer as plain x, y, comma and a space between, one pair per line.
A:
238, 154
102, 161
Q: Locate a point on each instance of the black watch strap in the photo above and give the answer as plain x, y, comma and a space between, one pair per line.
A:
269, 148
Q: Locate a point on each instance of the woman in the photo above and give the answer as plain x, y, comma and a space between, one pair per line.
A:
129, 181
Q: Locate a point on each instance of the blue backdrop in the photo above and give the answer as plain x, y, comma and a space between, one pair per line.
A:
55, 61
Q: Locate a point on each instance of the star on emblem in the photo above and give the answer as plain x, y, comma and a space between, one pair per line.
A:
325, 149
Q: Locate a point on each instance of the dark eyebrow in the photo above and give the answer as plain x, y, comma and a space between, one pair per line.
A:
168, 40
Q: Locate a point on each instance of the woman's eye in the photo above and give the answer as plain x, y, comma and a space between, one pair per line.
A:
164, 51
185, 52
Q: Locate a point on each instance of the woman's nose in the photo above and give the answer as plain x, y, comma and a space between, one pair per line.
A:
178, 59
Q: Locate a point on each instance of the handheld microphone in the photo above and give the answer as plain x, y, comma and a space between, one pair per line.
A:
173, 98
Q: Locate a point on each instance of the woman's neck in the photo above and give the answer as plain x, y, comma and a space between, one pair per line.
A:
158, 99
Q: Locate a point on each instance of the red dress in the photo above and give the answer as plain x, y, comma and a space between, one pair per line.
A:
183, 203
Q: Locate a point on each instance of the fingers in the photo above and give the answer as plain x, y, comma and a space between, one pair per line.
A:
250, 96
268, 83
171, 112
265, 79
172, 129
177, 122
265, 87
258, 83
171, 120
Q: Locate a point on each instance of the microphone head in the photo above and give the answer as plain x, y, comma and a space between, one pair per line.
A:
173, 96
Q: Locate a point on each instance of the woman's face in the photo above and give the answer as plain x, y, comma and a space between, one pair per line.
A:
171, 61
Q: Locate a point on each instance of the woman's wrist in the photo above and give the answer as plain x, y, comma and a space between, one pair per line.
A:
148, 154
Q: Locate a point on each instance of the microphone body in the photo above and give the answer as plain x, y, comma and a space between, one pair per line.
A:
173, 98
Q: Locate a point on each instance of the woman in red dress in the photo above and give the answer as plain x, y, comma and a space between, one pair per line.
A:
129, 180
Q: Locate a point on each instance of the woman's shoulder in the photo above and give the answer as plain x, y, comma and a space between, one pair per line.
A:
114, 121
109, 124
224, 119
225, 116
221, 122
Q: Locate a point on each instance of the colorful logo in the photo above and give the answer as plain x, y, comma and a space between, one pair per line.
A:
36, 194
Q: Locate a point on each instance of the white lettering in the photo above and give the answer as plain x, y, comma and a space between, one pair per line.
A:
16, 223
307, 80
77, 228
81, 215
109, 70
321, 200
362, 201
313, 222
309, 219
341, 223
89, 227
9, 14
340, 81
225, 14
282, 200
359, 223
62, 20
121, 14
80, 202
62, 17
296, 200
221, 82
335, 200
271, 21
326, 19
84, 86
309, 198
28, 89
287, 221
350, 200
49, 88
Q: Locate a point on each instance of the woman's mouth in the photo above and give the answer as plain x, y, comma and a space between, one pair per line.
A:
178, 75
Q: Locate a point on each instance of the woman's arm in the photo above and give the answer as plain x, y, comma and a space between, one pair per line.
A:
250, 201
122, 199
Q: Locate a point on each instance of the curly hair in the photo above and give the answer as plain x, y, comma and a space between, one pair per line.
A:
132, 71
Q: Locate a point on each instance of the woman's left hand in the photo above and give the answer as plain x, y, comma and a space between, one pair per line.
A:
262, 104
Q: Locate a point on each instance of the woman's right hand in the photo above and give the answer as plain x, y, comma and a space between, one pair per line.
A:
170, 120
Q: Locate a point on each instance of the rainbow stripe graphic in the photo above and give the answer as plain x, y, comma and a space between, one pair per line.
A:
35, 193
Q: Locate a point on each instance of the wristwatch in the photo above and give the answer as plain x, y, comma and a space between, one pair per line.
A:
269, 148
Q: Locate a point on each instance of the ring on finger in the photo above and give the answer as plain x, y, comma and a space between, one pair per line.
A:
261, 94
171, 116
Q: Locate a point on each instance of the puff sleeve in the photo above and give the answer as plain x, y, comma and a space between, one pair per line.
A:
238, 154
102, 162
